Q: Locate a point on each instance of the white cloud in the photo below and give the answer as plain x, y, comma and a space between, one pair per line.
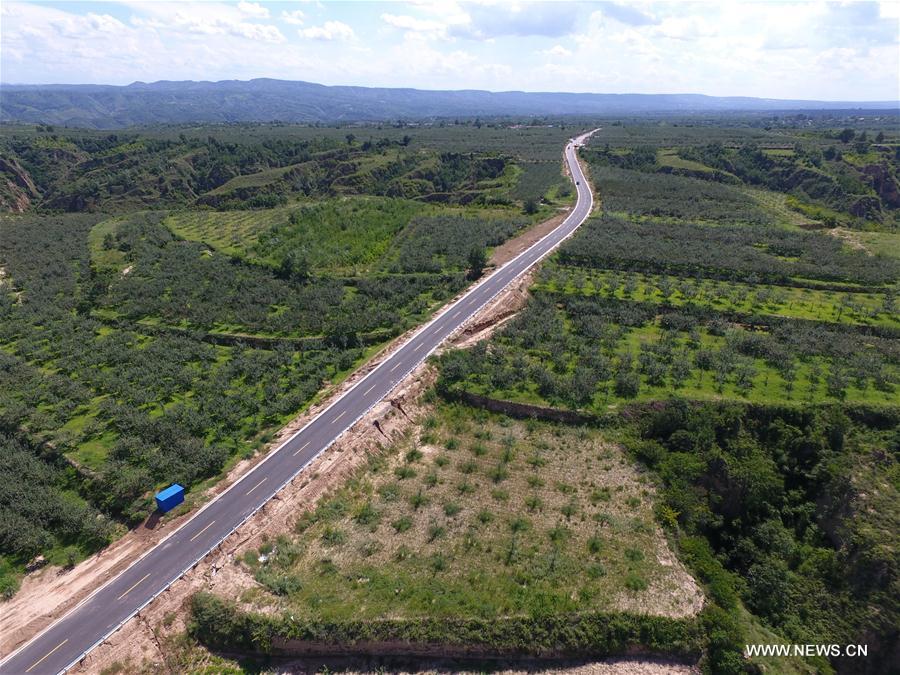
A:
845, 51
253, 10
557, 50
206, 19
410, 23
330, 30
294, 17
889, 9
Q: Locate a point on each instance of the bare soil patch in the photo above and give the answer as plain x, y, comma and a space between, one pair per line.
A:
850, 238
513, 247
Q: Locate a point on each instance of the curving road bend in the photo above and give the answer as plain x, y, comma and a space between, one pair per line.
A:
68, 640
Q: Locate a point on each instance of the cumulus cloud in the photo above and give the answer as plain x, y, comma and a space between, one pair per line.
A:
557, 50
294, 17
411, 23
253, 9
211, 18
330, 30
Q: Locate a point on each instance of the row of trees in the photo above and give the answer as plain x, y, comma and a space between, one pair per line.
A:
770, 254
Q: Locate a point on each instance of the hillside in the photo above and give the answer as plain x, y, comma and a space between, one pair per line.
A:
265, 100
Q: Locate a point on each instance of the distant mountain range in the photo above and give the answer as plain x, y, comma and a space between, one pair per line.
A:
266, 100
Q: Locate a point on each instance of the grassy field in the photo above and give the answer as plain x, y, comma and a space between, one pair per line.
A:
232, 232
479, 516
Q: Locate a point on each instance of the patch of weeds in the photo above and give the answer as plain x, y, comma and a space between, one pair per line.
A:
437, 563
634, 555
596, 570
467, 468
533, 503
565, 488
367, 515
404, 472
600, 495
389, 492
465, 488
499, 473
418, 500
436, 532
370, 548
635, 582
333, 536
535, 482
402, 524
536, 461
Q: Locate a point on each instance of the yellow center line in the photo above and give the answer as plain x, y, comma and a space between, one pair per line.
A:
338, 417
301, 448
46, 655
369, 389
137, 583
202, 531
257, 485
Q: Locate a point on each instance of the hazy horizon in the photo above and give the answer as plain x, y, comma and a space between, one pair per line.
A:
799, 50
425, 89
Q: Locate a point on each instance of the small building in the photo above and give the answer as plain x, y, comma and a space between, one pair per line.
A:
168, 499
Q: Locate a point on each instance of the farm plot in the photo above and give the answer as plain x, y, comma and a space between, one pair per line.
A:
478, 516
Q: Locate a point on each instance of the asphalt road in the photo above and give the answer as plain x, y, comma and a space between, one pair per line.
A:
65, 642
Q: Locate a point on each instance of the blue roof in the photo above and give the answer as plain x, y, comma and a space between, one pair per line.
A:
169, 492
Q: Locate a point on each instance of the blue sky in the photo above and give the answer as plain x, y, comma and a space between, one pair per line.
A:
832, 51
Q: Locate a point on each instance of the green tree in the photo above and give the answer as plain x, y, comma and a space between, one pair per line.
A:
295, 265
477, 260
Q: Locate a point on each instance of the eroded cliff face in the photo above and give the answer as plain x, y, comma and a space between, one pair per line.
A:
17, 189
884, 184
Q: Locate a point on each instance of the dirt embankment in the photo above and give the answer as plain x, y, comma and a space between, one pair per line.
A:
513, 247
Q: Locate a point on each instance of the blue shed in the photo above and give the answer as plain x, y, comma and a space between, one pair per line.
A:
168, 499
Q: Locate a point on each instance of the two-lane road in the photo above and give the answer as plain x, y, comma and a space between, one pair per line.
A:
66, 641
